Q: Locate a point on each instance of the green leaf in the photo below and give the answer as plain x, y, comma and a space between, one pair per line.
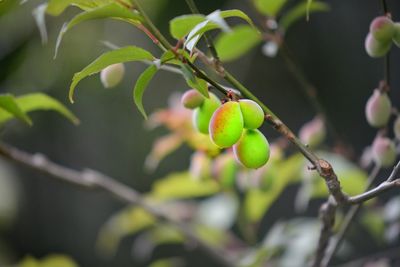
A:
180, 26
210, 24
258, 201
10, 108
56, 7
237, 13
169, 262
126, 222
39, 101
124, 54
112, 10
52, 260
232, 45
269, 7
300, 11
194, 81
140, 87
374, 223
181, 185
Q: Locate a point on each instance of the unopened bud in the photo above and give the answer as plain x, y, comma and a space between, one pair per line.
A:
313, 132
112, 75
383, 151
378, 109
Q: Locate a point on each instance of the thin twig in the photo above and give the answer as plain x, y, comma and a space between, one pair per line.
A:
90, 179
350, 215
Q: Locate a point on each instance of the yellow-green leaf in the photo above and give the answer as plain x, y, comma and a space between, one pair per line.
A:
141, 85
125, 54
301, 10
9, 107
182, 185
112, 10
269, 7
232, 45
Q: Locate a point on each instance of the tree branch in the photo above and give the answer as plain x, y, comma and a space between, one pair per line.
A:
323, 256
348, 219
91, 179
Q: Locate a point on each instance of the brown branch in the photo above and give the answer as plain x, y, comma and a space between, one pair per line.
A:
323, 255
348, 219
327, 217
90, 179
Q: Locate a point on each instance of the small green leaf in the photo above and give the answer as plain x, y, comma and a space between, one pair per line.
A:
39, 101
9, 107
113, 10
180, 26
124, 54
300, 11
182, 185
140, 87
269, 7
232, 45
52, 260
193, 81
126, 222
237, 13
56, 7
258, 201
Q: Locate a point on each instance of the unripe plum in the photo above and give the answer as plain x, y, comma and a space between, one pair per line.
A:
112, 75
192, 99
383, 151
382, 29
252, 150
226, 124
396, 35
378, 109
253, 115
376, 48
202, 115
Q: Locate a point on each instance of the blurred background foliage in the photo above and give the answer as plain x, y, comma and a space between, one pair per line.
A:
39, 216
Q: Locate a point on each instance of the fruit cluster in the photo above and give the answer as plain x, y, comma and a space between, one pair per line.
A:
382, 32
233, 123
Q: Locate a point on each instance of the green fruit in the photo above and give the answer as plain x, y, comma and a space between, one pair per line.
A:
226, 124
396, 35
192, 99
253, 115
382, 29
112, 75
376, 48
202, 115
252, 150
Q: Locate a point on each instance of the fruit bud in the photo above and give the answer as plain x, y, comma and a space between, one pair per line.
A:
378, 109
313, 132
112, 75
376, 48
383, 151
192, 99
382, 28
